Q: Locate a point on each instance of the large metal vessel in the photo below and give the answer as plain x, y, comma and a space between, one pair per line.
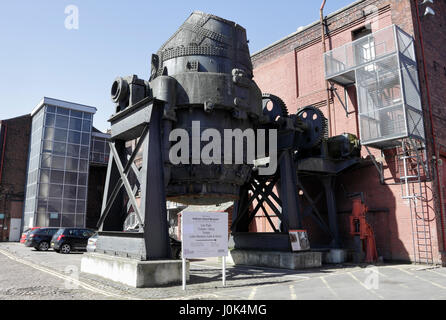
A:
202, 73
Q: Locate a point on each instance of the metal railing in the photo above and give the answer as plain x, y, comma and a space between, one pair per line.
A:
359, 52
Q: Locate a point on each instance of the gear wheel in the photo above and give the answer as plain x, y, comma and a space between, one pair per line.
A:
273, 107
317, 127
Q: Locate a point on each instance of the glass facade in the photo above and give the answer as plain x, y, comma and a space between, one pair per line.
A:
100, 150
56, 194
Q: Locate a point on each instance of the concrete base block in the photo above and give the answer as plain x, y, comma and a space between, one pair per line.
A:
273, 259
335, 256
134, 273
229, 260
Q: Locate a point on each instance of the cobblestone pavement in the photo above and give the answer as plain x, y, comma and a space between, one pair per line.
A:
29, 274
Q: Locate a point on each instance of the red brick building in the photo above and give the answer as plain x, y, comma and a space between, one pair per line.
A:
293, 68
14, 144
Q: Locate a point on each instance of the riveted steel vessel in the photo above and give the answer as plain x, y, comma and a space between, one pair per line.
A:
203, 74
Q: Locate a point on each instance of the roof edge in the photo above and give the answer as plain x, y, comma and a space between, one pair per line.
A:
63, 104
300, 30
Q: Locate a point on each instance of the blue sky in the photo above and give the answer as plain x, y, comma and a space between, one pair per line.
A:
40, 57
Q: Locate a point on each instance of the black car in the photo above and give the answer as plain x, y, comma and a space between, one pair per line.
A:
40, 238
71, 239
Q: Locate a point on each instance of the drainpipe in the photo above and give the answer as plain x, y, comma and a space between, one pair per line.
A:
324, 49
434, 147
2, 156
3, 150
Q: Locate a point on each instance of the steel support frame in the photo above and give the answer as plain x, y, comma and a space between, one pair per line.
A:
285, 206
152, 212
313, 211
261, 189
329, 182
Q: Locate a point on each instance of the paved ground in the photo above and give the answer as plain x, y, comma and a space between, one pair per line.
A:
29, 274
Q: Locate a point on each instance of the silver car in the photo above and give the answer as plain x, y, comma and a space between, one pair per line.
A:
91, 245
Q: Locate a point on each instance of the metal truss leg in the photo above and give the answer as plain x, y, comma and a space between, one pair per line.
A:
153, 194
288, 192
111, 213
329, 184
241, 208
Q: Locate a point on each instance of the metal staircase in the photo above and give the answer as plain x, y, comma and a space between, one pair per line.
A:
413, 172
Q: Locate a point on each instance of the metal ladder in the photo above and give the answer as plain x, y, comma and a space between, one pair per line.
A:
414, 171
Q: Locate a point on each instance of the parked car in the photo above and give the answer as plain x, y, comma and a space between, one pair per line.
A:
26, 233
67, 240
40, 238
175, 247
91, 245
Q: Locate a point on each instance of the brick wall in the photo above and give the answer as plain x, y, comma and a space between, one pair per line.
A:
433, 32
15, 158
293, 70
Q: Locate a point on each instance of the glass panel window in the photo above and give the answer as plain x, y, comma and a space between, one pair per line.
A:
74, 137
58, 163
69, 206
61, 122
72, 164
50, 120
73, 150
70, 193
80, 206
49, 134
44, 190
60, 135
71, 178
85, 139
46, 160
63, 111
80, 220
47, 146
42, 204
77, 114
57, 176
83, 166
45, 176
54, 205
68, 220
82, 193
84, 152
55, 221
99, 146
88, 116
59, 148
75, 124
56, 191
86, 126
82, 179
51, 109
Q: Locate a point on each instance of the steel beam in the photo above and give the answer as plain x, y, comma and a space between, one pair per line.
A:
288, 190
329, 184
153, 194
